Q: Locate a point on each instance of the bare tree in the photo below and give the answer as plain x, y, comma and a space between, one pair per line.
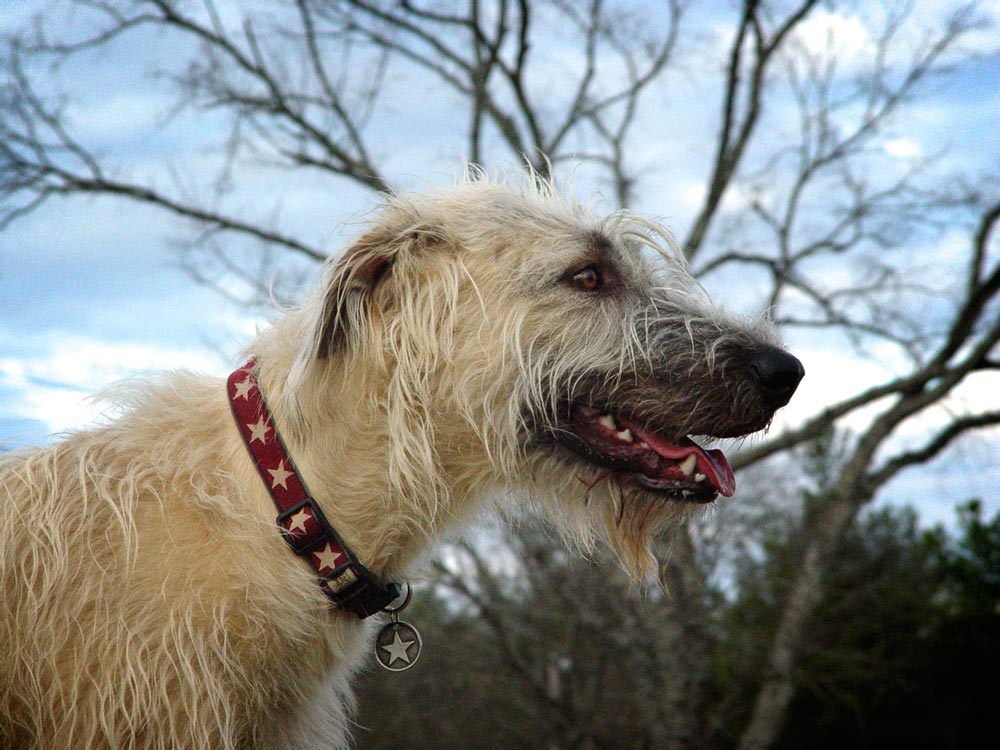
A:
571, 635
969, 346
306, 85
301, 82
865, 220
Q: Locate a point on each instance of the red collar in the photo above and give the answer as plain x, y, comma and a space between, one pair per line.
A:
345, 581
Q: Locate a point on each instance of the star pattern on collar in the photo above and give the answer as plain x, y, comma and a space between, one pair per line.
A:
259, 430
298, 521
279, 476
243, 388
328, 557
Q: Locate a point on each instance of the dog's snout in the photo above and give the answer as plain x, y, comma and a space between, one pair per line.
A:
778, 374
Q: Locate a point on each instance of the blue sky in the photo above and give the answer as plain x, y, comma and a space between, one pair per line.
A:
91, 289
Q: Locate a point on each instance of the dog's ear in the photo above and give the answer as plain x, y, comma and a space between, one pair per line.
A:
348, 289
353, 279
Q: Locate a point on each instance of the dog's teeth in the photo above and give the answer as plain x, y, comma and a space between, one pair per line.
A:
699, 477
625, 435
643, 444
589, 412
608, 421
688, 464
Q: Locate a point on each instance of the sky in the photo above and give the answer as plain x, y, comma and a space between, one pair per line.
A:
91, 290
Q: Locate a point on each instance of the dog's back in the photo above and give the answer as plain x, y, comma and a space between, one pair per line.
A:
138, 586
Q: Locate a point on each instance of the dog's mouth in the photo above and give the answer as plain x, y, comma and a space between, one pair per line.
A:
681, 470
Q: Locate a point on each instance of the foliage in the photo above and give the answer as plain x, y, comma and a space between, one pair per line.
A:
904, 648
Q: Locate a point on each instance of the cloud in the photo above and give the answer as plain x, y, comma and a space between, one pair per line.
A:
903, 148
53, 378
831, 34
967, 470
832, 375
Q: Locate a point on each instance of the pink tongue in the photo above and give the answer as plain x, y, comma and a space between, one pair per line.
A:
711, 463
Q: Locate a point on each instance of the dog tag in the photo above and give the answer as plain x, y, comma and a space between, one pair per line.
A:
397, 645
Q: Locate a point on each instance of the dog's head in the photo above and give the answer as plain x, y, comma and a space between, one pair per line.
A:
516, 339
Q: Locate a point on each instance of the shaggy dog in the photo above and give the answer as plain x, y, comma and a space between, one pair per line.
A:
483, 345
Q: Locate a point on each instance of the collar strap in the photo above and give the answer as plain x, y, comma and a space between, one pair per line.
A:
344, 580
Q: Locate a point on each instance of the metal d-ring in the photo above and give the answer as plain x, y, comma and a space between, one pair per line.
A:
394, 611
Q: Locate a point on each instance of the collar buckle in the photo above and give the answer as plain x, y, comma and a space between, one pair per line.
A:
353, 587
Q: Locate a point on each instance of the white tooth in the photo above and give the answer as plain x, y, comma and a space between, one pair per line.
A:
608, 421
643, 444
699, 477
625, 435
688, 464
589, 411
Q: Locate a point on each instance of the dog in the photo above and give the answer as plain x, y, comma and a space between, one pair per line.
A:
484, 346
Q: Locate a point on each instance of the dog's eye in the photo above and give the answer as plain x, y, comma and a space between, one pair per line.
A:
589, 279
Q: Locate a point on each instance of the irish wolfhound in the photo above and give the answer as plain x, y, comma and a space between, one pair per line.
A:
477, 345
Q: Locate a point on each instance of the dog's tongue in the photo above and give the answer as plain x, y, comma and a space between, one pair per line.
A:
711, 463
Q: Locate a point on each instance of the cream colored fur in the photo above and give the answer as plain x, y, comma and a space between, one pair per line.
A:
148, 599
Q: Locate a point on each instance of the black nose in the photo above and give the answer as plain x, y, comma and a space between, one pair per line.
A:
778, 374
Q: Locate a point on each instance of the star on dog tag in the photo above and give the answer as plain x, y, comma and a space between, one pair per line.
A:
397, 646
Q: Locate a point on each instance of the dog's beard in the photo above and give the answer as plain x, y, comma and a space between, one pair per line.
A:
587, 503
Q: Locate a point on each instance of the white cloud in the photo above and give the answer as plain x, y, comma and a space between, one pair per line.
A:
967, 469
853, 39
687, 196
54, 382
831, 34
832, 376
903, 148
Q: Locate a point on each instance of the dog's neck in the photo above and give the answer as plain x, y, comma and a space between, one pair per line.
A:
345, 580
342, 443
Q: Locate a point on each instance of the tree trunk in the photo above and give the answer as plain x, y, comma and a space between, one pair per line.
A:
777, 689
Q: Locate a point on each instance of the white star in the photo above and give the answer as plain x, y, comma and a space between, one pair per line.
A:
327, 557
279, 477
243, 388
259, 431
397, 649
299, 520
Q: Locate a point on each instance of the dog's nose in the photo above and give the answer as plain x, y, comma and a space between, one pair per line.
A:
778, 374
